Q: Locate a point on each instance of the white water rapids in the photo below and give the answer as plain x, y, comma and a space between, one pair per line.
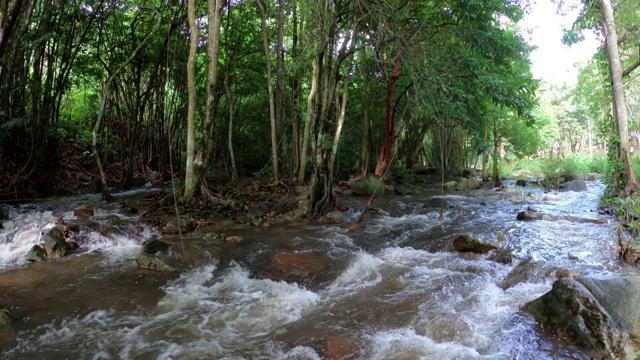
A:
399, 292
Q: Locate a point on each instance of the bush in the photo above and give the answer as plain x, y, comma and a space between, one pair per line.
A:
567, 168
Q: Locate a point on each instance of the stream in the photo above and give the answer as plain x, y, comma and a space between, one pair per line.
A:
393, 289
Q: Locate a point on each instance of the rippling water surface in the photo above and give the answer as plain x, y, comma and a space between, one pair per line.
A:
397, 290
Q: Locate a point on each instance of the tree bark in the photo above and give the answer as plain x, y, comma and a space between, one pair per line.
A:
496, 155
310, 122
388, 134
272, 112
619, 103
189, 178
214, 18
297, 99
280, 113
485, 177
366, 137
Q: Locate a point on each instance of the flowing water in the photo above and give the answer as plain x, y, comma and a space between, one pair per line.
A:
395, 290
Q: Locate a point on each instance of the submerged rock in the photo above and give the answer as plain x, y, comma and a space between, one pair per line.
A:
334, 217
571, 311
466, 243
339, 348
294, 267
83, 211
531, 215
368, 185
7, 334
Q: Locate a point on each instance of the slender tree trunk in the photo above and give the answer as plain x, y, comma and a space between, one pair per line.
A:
343, 106
619, 102
272, 111
310, 122
590, 141
230, 100
280, 105
190, 180
366, 144
296, 97
388, 134
214, 17
485, 177
496, 154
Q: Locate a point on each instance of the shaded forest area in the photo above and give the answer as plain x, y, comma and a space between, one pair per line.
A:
297, 92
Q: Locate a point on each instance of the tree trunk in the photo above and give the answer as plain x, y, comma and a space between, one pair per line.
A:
366, 137
619, 102
485, 159
189, 179
214, 15
388, 134
496, 151
310, 119
343, 106
230, 101
590, 141
280, 113
296, 97
272, 111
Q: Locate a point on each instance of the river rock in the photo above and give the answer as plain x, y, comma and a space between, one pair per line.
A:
466, 243
467, 184
528, 271
339, 348
54, 243
571, 311
173, 225
83, 211
501, 256
294, 267
436, 202
574, 185
531, 215
7, 334
155, 245
620, 296
3, 216
368, 185
334, 217
450, 185
159, 262
36, 254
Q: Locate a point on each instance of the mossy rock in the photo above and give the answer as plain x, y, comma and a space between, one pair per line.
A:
368, 186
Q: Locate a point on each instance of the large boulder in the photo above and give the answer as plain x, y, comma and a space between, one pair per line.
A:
574, 185
368, 185
466, 243
466, 184
571, 311
54, 244
620, 296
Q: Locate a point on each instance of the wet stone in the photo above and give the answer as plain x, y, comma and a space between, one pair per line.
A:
466, 243
83, 211
36, 254
54, 243
339, 348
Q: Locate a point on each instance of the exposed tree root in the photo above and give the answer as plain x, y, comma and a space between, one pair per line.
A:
630, 188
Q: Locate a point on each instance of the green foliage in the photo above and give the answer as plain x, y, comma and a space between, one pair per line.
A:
563, 169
